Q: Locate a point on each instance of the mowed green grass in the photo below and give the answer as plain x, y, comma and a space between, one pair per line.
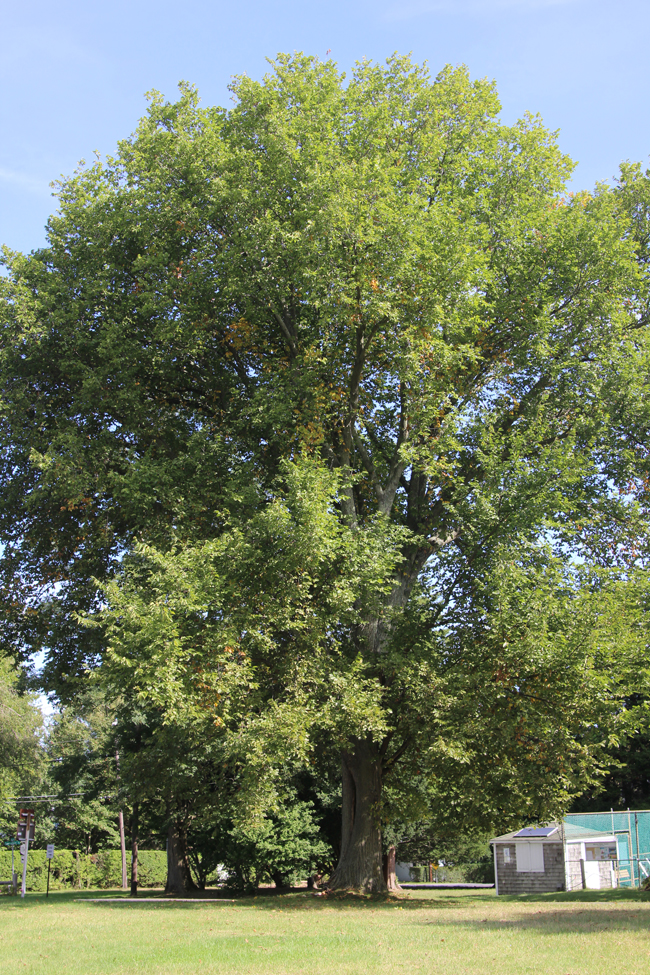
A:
448, 932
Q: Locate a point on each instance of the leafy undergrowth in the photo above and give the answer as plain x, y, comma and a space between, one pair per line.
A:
451, 932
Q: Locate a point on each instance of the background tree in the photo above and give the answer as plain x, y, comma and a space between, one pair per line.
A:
379, 272
626, 784
21, 757
471, 853
284, 847
80, 749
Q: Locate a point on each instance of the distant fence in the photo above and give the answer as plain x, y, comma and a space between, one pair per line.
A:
72, 870
479, 872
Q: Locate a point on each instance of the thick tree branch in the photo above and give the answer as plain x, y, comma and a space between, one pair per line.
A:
367, 463
395, 757
286, 331
397, 466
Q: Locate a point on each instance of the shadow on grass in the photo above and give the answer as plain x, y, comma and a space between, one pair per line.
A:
59, 897
619, 894
579, 911
265, 900
434, 902
447, 900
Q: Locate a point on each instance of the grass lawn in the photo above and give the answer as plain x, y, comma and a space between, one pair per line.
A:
450, 932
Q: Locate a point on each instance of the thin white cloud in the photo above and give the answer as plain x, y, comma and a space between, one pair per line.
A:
25, 182
408, 11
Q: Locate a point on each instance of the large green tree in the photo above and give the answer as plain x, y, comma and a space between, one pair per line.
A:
376, 271
493, 710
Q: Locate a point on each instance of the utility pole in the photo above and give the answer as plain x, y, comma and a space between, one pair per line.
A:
120, 820
25, 832
135, 824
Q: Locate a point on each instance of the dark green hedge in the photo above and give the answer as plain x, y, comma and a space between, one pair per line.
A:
72, 870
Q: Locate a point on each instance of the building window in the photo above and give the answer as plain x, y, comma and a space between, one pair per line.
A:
506, 854
597, 851
530, 857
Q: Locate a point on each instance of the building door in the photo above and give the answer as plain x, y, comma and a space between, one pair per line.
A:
625, 875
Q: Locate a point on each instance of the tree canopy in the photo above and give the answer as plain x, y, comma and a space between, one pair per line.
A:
329, 394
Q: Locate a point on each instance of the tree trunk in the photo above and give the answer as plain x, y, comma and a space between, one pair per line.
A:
389, 870
134, 850
280, 881
179, 878
360, 864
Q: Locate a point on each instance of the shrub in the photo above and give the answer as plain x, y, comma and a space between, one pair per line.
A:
72, 870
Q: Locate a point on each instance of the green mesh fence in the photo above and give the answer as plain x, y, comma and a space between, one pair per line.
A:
632, 831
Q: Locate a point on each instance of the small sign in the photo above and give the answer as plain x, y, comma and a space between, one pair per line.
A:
50, 851
12, 843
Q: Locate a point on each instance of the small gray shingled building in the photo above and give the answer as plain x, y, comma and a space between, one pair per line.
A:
560, 856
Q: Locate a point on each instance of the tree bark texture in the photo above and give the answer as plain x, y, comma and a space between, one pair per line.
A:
360, 863
179, 878
390, 878
135, 826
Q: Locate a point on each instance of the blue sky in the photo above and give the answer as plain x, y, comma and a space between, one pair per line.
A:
74, 74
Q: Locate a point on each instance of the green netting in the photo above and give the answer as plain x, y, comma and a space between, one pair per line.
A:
632, 831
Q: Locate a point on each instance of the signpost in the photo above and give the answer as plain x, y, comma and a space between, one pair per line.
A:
25, 832
49, 854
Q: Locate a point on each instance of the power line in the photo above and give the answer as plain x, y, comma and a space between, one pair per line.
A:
68, 798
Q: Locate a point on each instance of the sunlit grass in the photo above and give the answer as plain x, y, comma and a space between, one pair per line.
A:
448, 932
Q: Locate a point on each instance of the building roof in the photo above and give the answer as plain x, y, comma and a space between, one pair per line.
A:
554, 837
551, 833
574, 833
